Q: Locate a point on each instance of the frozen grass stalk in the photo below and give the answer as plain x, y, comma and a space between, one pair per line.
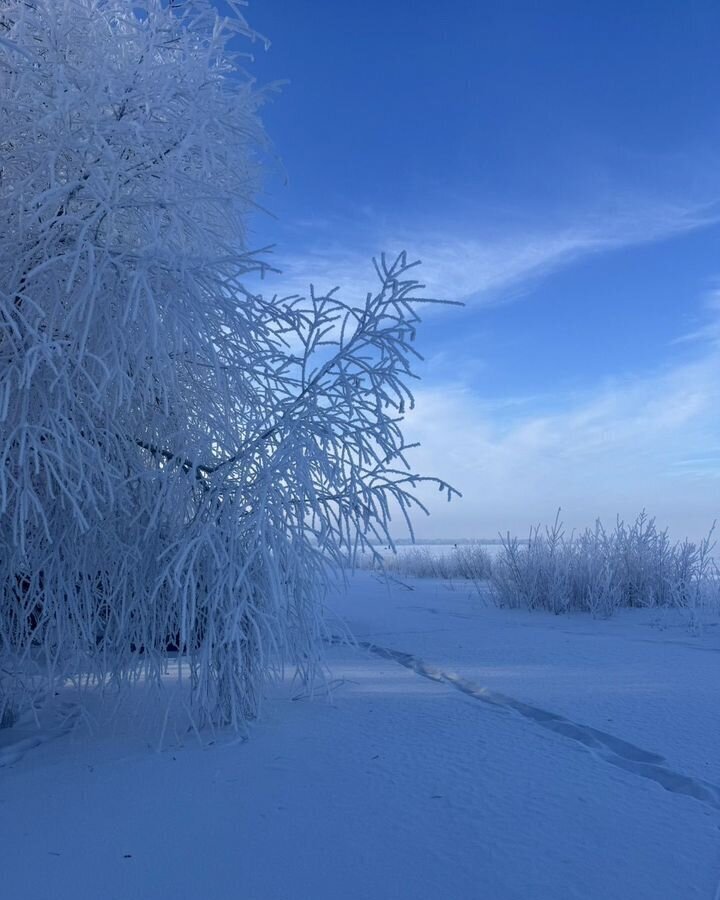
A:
595, 571
181, 460
470, 562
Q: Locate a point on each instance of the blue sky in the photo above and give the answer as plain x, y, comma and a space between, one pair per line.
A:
557, 167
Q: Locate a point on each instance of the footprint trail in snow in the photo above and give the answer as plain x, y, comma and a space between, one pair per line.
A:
605, 746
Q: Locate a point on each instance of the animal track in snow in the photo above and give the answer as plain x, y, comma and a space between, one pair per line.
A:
611, 749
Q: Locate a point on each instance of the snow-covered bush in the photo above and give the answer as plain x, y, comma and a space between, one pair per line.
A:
464, 561
471, 561
180, 459
633, 566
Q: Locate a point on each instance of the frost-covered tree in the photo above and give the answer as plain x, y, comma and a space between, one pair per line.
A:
181, 459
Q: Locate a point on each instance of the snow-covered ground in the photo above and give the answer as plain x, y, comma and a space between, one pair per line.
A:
466, 753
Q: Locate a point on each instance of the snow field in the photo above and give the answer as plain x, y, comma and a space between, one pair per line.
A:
401, 786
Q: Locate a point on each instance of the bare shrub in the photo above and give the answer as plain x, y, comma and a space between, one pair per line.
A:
595, 571
465, 561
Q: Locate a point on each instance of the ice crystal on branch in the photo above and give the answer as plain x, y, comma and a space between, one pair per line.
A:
181, 459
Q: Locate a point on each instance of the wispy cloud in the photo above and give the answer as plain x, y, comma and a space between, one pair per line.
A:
708, 330
477, 264
651, 442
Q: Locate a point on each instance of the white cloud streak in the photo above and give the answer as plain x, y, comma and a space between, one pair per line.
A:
491, 267
649, 443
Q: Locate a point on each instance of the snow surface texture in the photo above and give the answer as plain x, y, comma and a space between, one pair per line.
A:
467, 752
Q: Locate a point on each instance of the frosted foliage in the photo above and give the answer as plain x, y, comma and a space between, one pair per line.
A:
181, 459
598, 571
